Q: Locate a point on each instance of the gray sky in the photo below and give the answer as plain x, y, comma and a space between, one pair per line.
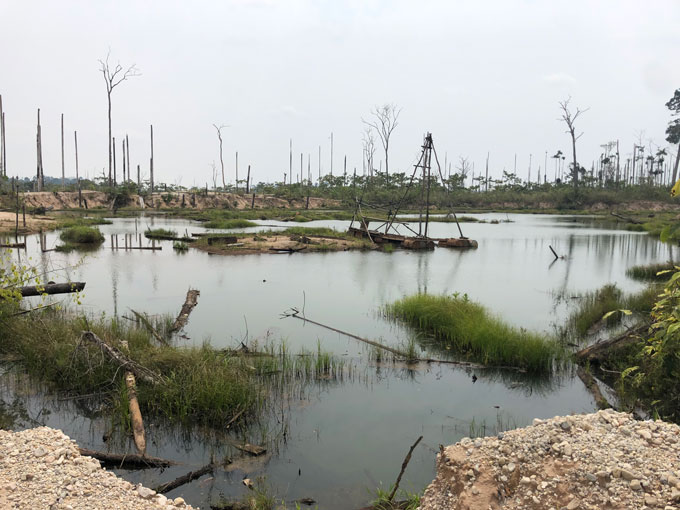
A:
480, 75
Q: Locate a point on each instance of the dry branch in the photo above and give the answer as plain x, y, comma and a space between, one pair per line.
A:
252, 449
190, 476
600, 351
189, 303
592, 386
141, 372
149, 327
403, 468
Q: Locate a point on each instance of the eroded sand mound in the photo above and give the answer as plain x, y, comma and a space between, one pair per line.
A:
601, 460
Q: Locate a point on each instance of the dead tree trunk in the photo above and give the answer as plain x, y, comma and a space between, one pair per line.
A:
190, 476
63, 175
2, 140
135, 413
123, 181
49, 288
114, 161
248, 181
40, 179
80, 191
190, 302
127, 152
129, 461
151, 165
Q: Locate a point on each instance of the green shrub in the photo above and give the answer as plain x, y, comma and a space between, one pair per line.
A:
82, 235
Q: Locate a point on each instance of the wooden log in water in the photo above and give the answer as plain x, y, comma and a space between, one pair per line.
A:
190, 476
13, 245
251, 449
189, 303
600, 351
52, 288
135, 413
129, 460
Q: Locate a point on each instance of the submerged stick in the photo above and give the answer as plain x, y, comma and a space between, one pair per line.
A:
149, 327
403, 468
553, 252
129, 461
52, 288
135, 413
190, 476
390, 349
140, 371
189, 303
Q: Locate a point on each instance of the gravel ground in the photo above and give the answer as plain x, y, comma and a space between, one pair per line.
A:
41, 469
602, 460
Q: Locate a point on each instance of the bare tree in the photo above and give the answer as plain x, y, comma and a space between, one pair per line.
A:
569, 119
464, 167
386, 117
219, 136
114, 77
214, 175
368, 142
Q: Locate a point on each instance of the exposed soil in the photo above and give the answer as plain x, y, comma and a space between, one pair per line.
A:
278, 244
60, 200
34, 223
601, 460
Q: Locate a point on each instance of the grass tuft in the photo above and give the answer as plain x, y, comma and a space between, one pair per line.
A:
469, 329
229, 223
650, 272
82, 235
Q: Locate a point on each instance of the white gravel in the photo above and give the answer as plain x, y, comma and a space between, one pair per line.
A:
41, 468
602, 460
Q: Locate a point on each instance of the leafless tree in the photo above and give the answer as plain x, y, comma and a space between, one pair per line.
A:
569, 119
114, 76
214, 175
219, 136
386, 117
369, 149
464, 166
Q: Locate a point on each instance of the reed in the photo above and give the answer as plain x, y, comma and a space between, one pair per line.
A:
650, 272
82, 235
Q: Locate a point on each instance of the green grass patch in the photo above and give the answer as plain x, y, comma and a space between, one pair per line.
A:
650, 272
159, 233
312, 231
470, 329
82, 235
229, 223
80, 221
180, 246
593, 306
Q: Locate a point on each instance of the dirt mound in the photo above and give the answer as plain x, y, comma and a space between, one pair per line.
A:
600, 460
60, 200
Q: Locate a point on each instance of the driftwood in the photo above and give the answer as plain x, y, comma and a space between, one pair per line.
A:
250, 448
129, 461
141, 372
403, 468
149, 327
52, 288
13, 245
190, 476
135, 413
287, 250
600, 351
189, 303
626, 218
592, 386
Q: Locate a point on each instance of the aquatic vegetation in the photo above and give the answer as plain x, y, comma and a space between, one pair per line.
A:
180, 246
469, 329
651, 272
82, 235
79, 221
159, 233
593, 306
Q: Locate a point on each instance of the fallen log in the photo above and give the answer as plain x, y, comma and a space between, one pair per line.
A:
594, 389
287, 250
189, 303
129, 461
190, 476
51, 288
149, 327
600, 351
140, 371
403, 468
252, 449
135, 414
13, 245
626, 218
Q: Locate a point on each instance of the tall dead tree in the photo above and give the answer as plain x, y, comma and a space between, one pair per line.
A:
569, 119
80, 193
3, 170
63, 175
219, 136
151, 162
127, 152
386, 117
40, 177
114, 77
368, 142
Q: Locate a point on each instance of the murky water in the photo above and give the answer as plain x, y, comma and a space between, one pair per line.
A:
338, 441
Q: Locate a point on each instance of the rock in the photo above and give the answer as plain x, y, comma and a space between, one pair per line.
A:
565, 425
627, 475
635, 485
39, 452
145, 492
574, 504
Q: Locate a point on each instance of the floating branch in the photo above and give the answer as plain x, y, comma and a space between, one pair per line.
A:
189, 303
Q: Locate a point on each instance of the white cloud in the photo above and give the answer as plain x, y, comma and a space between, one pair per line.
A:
559, 79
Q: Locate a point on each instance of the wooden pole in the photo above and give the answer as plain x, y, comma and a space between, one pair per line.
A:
139, 179
114, 160
248, 181
127, 151
237, 172
63, 175
123, 181
80, 191
151, 163
40, 180
290, 171
331, 153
